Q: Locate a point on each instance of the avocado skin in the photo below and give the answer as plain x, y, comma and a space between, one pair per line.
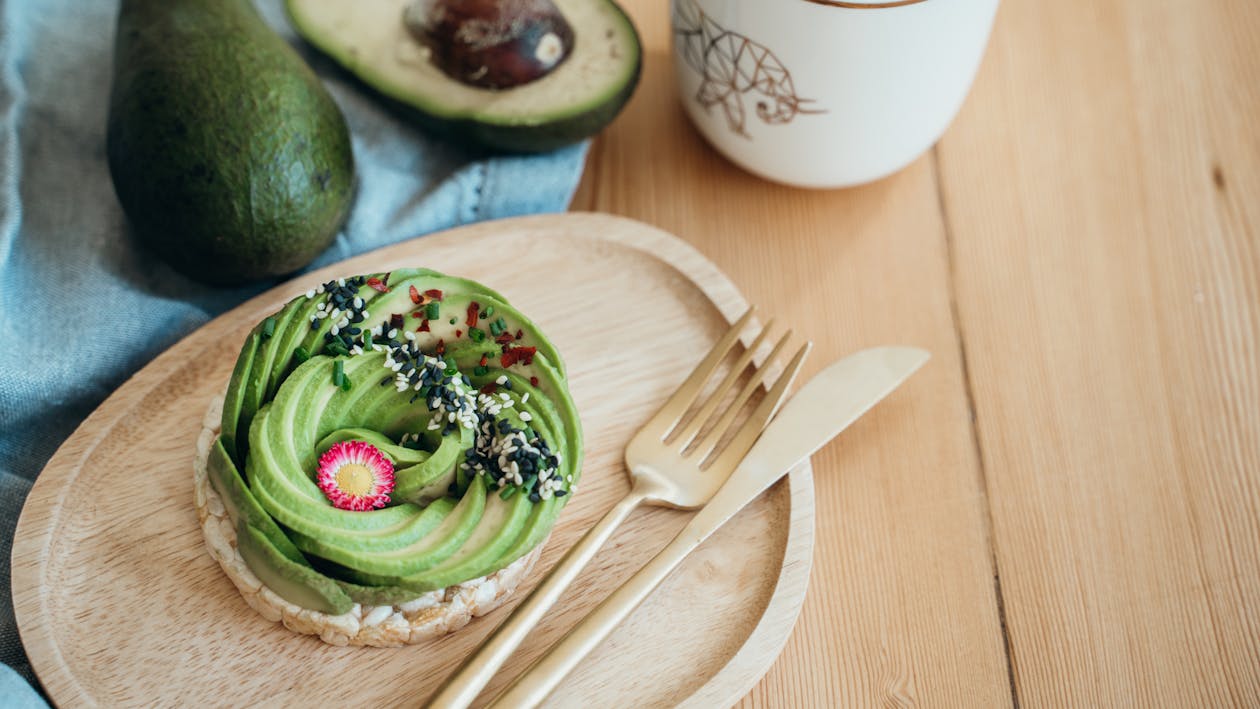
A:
525, 139
230, 159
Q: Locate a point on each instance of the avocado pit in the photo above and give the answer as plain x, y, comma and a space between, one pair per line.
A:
491, 44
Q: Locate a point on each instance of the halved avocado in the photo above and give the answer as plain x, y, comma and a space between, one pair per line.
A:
574, 101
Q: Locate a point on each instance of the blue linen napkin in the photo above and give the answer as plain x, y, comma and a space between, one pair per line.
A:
62, 232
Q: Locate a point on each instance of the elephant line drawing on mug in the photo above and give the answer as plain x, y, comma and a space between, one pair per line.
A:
731, 66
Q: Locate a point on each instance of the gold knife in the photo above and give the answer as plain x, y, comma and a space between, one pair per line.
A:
833, 399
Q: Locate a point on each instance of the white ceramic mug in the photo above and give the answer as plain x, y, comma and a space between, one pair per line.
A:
822, 93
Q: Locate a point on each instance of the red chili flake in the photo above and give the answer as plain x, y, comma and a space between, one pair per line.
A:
441, 347
434, 293
459, 333
512, 355
415, 294
533, 381
396, 321
419, 315
504, 338
489, 388
519, 334
424, 326
377, 284
471, 320
484, 360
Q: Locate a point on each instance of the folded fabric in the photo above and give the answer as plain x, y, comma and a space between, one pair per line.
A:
82, 306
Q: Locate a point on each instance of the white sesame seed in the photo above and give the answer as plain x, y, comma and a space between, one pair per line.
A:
525, 398
310, 294
526, 417
358, 303
321, 315
319, 288
411, 336
334, 330
393, 333
341, 281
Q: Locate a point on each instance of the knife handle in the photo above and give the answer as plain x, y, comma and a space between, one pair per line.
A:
533, 685
462, 688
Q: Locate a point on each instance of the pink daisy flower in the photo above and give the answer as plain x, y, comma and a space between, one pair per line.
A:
355, 476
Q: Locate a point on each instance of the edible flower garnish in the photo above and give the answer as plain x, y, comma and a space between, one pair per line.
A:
355, 476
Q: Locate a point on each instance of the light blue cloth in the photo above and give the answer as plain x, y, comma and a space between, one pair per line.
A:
69, 268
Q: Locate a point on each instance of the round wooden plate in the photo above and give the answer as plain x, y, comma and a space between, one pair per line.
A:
119, 603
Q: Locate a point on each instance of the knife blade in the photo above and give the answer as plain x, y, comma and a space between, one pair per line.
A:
831, 401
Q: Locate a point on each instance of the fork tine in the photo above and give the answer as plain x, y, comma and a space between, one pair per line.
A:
751, 430
710, 440
706, 411
667, 418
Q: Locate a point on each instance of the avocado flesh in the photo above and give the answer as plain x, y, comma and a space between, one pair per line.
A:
291, 581
228, 155
233, 402
574, 101
273, 558
426, 539
397, 454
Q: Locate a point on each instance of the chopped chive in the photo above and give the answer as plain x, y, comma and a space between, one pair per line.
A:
450, 371
337, 348
367, 340
481, 371
300, 354
507, 492
529, 481
476, 334
269, 327
339, 372
451, 321
431, 310
345, 383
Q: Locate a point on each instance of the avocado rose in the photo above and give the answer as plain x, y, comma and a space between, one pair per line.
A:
392, 451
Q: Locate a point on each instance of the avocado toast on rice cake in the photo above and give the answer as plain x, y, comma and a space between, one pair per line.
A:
389, 457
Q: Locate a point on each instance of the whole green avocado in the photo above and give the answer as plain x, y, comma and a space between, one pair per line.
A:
228, 155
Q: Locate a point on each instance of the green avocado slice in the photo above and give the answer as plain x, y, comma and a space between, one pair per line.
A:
291, 581
500, 526
266, 550
432, 477
428, 551
574, 101
398, 455
234, 400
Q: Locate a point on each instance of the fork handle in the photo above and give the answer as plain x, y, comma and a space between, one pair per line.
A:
464, 686
533, 685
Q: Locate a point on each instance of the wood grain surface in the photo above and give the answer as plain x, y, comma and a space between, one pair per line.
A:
1068, 511
120, 604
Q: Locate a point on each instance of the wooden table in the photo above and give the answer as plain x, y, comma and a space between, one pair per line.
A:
1063, 509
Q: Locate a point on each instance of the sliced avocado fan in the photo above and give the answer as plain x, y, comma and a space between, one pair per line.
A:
457, 390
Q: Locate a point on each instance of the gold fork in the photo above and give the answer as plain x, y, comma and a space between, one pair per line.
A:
666, 461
